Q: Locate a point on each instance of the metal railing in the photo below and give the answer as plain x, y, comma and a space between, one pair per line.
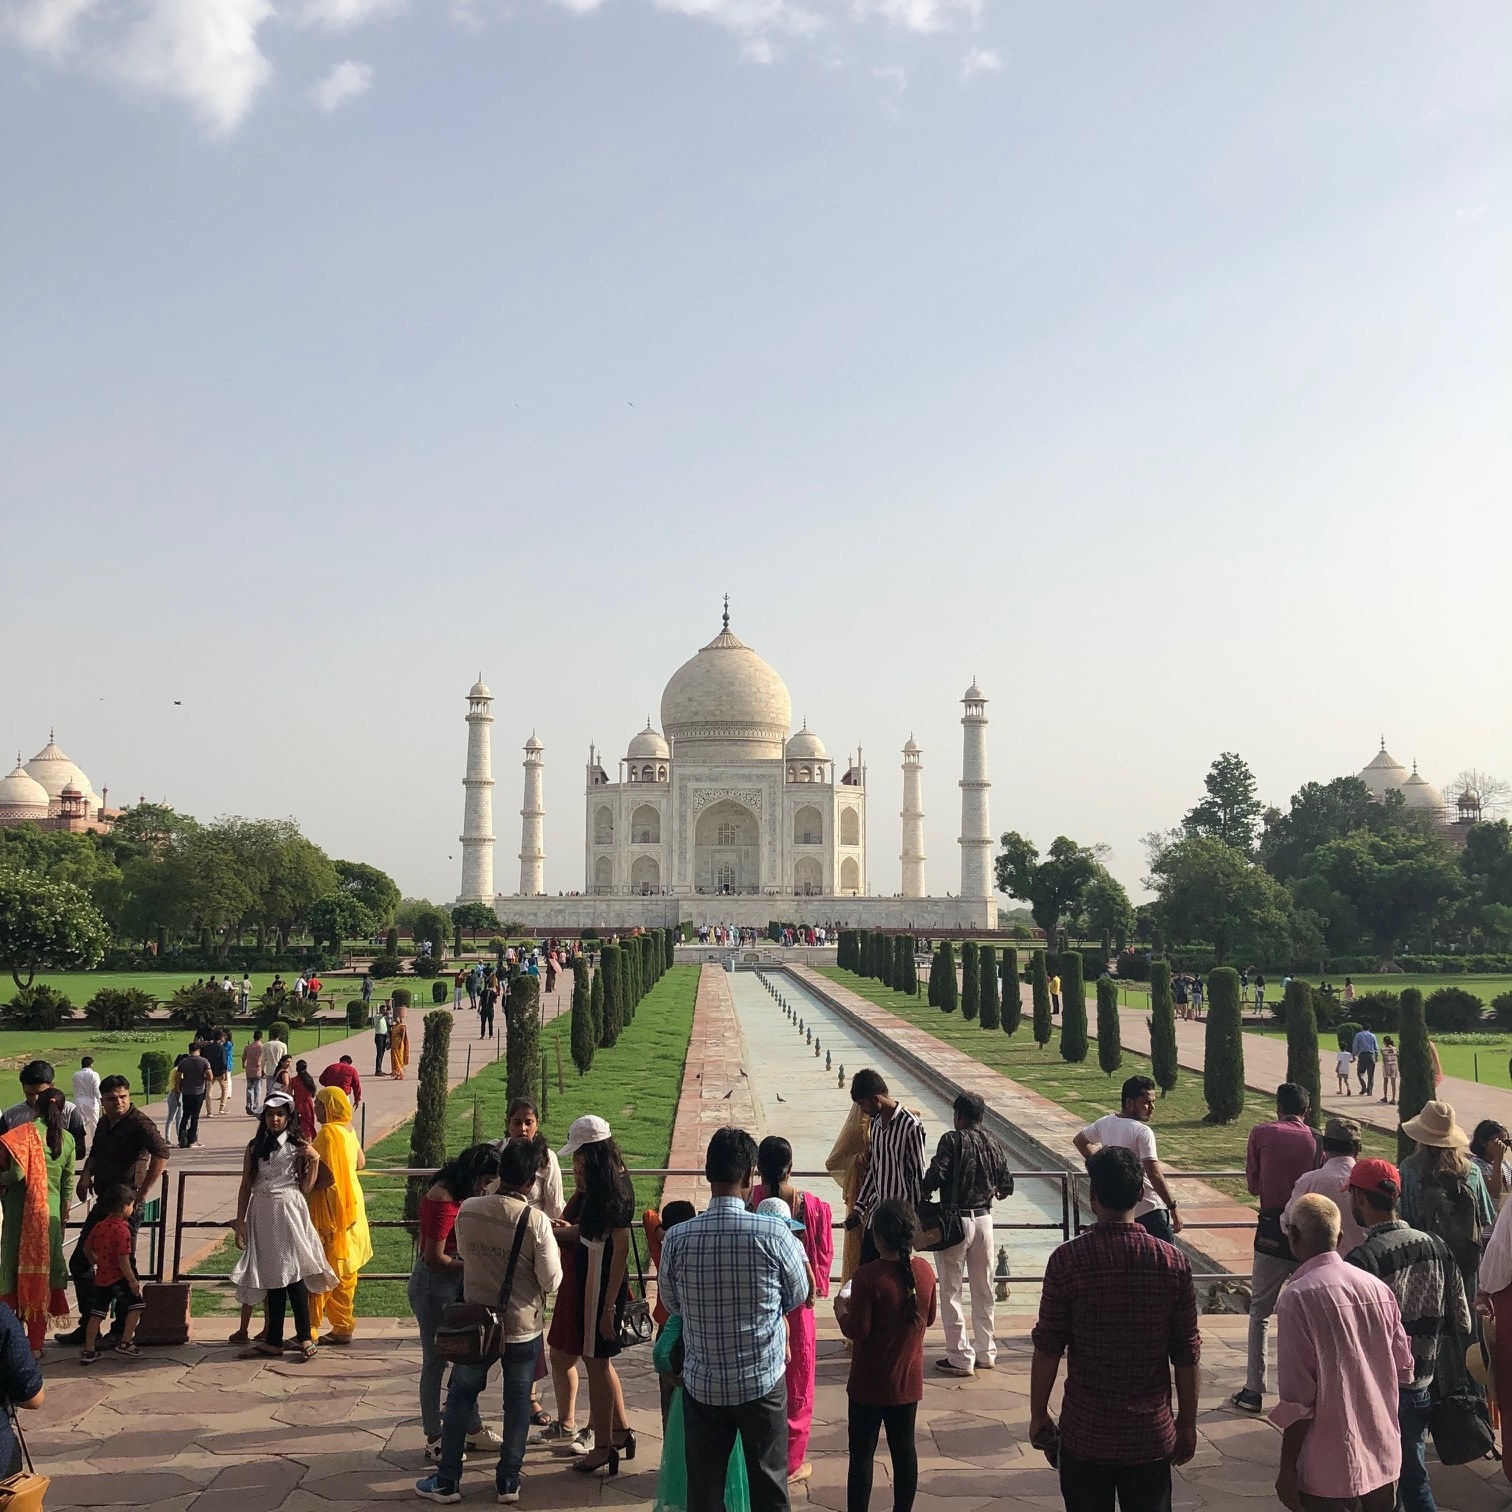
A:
154, 1224
1070, 1224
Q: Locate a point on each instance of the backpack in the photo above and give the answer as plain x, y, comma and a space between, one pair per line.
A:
1448, 1210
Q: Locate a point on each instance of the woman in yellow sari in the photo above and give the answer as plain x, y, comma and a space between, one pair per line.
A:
398, 1045
340, 1215
847, 1165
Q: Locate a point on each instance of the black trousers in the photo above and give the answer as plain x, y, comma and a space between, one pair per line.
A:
864, 1425
1091, 1485
1158, 1222
190, 1106
709, 1439
298, 1300
81, 1267
380, 1044
485, 1023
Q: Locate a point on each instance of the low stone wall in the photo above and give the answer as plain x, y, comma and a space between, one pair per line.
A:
607, 912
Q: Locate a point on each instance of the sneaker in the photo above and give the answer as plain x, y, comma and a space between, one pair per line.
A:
129, 1350
944, 1367
433, 1451
484, 1438
88, 1356
73, 1336
433, 1488
1247, 1401
574, 1441
508, 1497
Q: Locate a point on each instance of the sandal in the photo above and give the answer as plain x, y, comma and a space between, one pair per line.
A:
539, 1417
241, 1336
306, 1351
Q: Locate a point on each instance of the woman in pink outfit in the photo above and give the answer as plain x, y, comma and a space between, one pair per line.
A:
774, 1159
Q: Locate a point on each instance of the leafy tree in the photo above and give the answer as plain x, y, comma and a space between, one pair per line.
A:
1107, 911
1163, 1059
1052, 887
971, 981
612, 971
584, 1040
1319, 812
1109, 1034
949, 996
474, 918
1073, 1041
1223, 1053
46, 923
596, 1002
374, 889
339, 916
1302, 1045
1039, 988
987, 991
1487, 862
522, 1051
428, 1132
1230, 811
1206, 890
1012, 999
284, 873
1415, 1086
434, 925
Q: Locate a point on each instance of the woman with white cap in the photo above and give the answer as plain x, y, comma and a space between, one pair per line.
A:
594, 1236
1443, 1192
282, 1259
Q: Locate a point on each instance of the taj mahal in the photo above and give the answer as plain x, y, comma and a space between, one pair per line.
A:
727, 814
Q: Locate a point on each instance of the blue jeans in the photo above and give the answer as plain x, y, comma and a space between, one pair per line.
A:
429, 1293
467, 1383
1414, 1493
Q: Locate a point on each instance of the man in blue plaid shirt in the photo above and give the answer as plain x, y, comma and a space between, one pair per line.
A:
733, 1276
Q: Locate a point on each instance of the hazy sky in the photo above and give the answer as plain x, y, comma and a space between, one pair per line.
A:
1149, 363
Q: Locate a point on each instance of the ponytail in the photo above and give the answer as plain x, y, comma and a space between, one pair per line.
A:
50, 1110
774, 1159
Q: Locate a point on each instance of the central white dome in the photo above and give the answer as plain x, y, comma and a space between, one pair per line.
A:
726, 703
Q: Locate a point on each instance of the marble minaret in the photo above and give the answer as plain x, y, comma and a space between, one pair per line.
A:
532, 823
913, 821
976, 822
477, 815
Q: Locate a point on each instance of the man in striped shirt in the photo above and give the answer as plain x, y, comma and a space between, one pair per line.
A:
895, 1161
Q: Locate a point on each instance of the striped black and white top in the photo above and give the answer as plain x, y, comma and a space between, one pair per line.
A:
897, 1162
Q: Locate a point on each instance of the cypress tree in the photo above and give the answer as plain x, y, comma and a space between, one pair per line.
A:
911, 961
1039, 981
902, 957
584, 1040
971, 981
863, 952
987, 992
650, 953
1073, 1040
950, 997
522, 1050
1162, 1027
1012, 1010
1302, 1046
1223, 1053
596, 1002
614, 1002
884, 966
1109, 1037
630, 958
934, 980
428, 1132
1414, 1066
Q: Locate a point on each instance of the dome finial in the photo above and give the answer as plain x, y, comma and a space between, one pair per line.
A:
727, 611
1383, 742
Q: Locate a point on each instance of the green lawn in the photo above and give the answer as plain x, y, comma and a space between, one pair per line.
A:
635, 1086
80, 986
1475, 1057
1186, 1142
1134, 994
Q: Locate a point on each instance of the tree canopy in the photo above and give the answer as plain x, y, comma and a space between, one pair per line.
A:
1230, 810
1053, 886
47, 923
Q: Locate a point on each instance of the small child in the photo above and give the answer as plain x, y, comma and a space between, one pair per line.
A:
1388, 1069
1341, 1069
657, 1226
109, 1247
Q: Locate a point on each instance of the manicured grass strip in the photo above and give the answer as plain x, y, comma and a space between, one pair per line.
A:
635, 1086
1186, 1142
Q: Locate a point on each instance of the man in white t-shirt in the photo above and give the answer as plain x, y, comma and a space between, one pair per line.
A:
86, 1093
1130, 1130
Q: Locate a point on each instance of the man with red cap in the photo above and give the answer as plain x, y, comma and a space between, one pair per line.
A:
1420, 1270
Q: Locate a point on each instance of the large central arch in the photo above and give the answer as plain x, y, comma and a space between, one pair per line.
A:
727, 849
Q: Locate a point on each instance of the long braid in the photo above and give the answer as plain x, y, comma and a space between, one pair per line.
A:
910, 1286
897, 1226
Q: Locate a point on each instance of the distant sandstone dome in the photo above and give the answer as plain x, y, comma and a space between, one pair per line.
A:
1385, 774
726, 703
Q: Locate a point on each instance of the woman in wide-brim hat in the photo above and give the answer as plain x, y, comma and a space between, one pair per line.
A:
1438, 1179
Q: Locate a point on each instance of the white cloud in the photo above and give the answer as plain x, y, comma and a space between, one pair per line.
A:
919, 15
44, 25
756, 22
895, 76
344, 82
343, 15
980, 60
203, 53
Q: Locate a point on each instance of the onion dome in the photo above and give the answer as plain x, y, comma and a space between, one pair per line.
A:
806, 746
1419, 793
1385, 774
55, 771
727, 704
21, 795
648, 745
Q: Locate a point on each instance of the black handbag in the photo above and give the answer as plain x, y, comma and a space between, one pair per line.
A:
635, 1325
940, 1225
470, 1333
1458, 1419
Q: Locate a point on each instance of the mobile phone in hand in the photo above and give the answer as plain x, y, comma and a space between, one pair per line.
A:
1047, 1441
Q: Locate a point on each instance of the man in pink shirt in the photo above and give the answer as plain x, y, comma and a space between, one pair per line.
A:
1342, 1354
1341, 1148
1276, 1155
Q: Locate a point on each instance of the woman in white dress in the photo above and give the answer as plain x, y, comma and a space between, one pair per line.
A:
282, 1258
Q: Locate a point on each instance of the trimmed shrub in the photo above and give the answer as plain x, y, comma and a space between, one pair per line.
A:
428, 1132
1302, 1046
119, 1008
1378, 1010
1073, 1040
971, 980
1094, 965
1040, 993
863, 952
1415, 1086
1453, 1010
426, 966
614, 1002
987, 987
1223, 1054
901, 957
1011, 1009
1501, 1010
439, 992
155, 1066
584, 1040
391, 942
279, 1030
522, 1050
1134, 966
934, 980
381, 968
596, 1003
1345, 1033
1109, 1038
949, 996
1163, 1063
357, 1014
401, 997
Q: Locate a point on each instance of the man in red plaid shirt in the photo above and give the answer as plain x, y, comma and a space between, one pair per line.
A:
1121, 1304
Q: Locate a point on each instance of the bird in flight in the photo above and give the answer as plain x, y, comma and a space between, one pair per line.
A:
781, 1098
728, 1095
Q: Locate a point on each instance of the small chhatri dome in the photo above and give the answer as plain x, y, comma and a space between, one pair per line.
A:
480, 689
911, 748
973, 694
21, 791
1419, 793
533, 744
1384, 774
648, 745
807, 745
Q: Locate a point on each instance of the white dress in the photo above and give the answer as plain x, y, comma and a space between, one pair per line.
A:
282, 1245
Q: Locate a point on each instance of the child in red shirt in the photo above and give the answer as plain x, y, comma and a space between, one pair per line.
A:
109, 1246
